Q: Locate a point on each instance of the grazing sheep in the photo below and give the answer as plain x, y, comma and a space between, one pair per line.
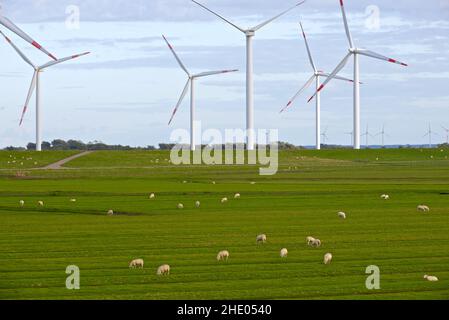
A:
431, 278
223, 255
40, 203
253, 183
152, 196
423, 208
163, 270
197, 204
110, 212
385, 197
213, 182
342, 215
284, 253
72, 200
310, 240
262, 238
180, 206
137, 263
316, 243
224, 200
22, 203
328, 258
237, 196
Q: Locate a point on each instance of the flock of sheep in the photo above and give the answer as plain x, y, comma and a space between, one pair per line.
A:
164, 270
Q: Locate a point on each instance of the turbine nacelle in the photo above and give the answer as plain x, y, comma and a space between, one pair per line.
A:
250, 33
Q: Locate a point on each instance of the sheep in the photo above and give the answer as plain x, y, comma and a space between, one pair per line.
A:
110, 212
431, 278
262, 238
224, 200
152, 196
197, 204
223, 255
213, 182
163, 270
342, 215
327, 258
237, 196
385, 197
284, 253
316, 243
180, 206
22, 203
40, 203
137, 263
72, 200
253, 183
423, 208
310, 240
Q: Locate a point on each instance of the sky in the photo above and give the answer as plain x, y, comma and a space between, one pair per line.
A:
125, 91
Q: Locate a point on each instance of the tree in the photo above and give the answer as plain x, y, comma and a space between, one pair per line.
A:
46, 145
59, 144
31, 146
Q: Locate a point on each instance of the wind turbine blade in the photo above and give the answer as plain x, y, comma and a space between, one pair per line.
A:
308, 83
308, 48
219, 16
25, 58
30, 93
11, 26
176, 56
183, 95
380, 57
327, 75
211, 73
52, 63
345, 21
276, 17
334, 73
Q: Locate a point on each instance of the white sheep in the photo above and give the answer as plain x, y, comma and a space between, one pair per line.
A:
197, 204
40, 203
423, 208
110, 212
237, 196
253, 183
431, 278
342, 215
137, 263
180, 206
223, 255
224, 200
213, 182
72, 200
152, 196
316, 243
310, 240
22, 203
385, 197
262, 238
284, 253
163, 270
327, 258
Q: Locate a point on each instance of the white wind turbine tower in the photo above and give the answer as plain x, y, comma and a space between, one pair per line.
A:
355, 52
11, 26
249, 33
367, 134
190, 82
447, 133
383, 134
429, 134
36, 85
316, 76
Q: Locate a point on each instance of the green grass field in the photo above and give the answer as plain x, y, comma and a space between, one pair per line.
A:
37, 244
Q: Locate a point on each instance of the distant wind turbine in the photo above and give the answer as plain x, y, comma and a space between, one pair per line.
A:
316, 76
35, 85
367, 134
429, 134
352, 136
356, 52
190, 82
383, 134
447, 133
11, 26
324, 136
249, 33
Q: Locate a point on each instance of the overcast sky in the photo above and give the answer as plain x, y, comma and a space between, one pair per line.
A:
124, 92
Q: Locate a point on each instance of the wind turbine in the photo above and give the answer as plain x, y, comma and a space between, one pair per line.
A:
367, 134
35, 85
11, 26
355, 52
430, 133
447, 134
316, 76
249, 33
352, 136
190, 82
383, 134
325, 136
